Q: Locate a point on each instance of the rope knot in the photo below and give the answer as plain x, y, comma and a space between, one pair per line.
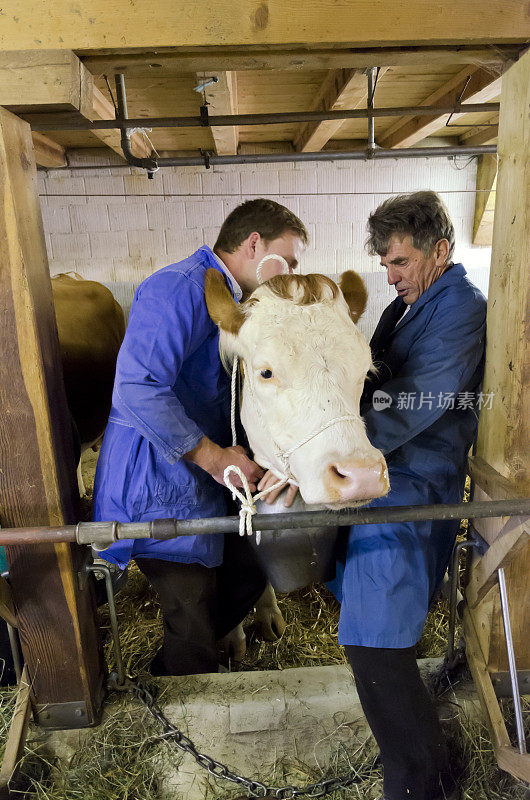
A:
248, 508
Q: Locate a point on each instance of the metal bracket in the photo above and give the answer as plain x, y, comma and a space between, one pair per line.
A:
61, 716
206, 156
205, 119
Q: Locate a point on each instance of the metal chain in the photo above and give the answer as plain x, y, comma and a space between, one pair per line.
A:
219, 770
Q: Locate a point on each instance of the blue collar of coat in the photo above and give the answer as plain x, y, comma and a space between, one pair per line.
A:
450, 277
207, 252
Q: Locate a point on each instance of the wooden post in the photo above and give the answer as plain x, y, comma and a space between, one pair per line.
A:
504, 430
55, 611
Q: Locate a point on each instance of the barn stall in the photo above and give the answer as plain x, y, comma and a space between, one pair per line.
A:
329, 118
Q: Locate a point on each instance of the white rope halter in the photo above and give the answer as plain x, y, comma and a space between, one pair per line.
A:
248, 507
272, 257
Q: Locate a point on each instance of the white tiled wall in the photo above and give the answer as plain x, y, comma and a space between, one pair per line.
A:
118, 227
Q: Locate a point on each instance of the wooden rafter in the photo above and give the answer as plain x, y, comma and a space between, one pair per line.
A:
342, 88
93, 24
470, 85
485, 199
486, 134
47, 152
222, 99
219, 59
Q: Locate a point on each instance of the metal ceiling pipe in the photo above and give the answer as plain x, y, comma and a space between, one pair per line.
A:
106, 532
327, 155
121, 101
46, 122
322, 155
371, 74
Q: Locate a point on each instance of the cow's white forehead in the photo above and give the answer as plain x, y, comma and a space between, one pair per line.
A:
280, 328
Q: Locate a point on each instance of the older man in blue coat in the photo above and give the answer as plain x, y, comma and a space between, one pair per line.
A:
420, 409
167, 442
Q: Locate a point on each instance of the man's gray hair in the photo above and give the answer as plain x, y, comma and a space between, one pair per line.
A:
421, 215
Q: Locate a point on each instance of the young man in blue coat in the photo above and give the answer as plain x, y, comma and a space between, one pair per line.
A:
168, 438
421, 409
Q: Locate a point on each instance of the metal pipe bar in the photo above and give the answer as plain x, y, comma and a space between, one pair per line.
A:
321, 155
455, 565
106, 532
521, 741
370, 107
121, 100
47, 122
105, 571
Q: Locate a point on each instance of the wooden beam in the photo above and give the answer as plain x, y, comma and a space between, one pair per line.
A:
56, 616
93, 24
222, 99
47, 152
485, 199
221, 59
504, 429
501, 553
478, 86
44, 82
486, 134
507, 756
495, 485
342, 88
33, 83
102, 108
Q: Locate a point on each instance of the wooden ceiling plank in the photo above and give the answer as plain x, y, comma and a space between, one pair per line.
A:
481, 86
93, 24
47, 152
221, 98
154, 64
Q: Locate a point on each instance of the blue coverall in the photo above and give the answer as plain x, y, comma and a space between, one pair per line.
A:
170, 390
390, 573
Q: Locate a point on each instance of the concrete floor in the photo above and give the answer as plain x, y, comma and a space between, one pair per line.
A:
300, 723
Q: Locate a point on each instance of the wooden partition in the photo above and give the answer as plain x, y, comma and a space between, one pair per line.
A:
55, 612
502, 466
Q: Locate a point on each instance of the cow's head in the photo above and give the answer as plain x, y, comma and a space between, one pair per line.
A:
304, 363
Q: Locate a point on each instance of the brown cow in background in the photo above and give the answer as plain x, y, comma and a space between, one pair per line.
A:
91, 328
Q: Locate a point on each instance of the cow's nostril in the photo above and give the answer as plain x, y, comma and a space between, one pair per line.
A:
336, 473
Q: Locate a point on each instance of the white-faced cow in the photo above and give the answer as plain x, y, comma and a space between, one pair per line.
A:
303, 363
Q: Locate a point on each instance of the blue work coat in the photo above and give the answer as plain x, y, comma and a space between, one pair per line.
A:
388, 574
170, 390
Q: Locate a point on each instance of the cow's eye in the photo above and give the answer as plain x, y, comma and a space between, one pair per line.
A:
266, 373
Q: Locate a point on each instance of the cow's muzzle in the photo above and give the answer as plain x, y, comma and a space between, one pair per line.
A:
356, 480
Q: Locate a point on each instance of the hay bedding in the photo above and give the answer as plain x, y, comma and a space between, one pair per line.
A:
122, 760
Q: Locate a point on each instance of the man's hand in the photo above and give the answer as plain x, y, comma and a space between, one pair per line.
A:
215, 460
269, 479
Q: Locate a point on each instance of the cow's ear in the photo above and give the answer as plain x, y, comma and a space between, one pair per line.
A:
354, 291
222, 308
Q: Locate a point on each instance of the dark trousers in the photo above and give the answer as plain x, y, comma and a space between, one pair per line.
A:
201, 605
404, 722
